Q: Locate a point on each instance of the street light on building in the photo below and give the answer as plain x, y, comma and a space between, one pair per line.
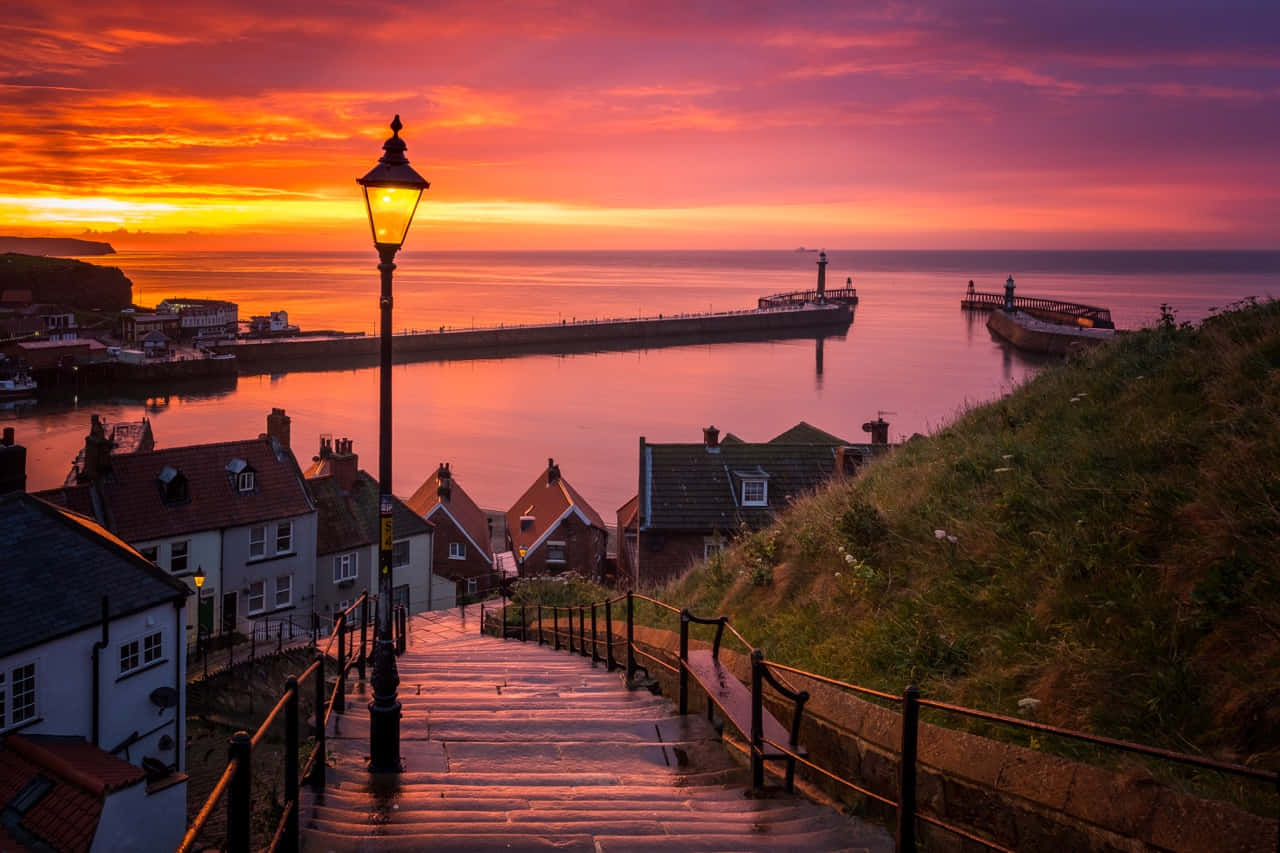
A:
198, 578
391, 193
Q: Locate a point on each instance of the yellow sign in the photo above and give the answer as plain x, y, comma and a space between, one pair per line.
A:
386, 533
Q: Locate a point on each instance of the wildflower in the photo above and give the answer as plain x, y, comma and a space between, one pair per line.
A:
1006, 456
1002, 470
952, 539
939, 534
849, 558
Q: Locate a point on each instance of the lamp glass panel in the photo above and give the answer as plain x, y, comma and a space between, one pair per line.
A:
390, 212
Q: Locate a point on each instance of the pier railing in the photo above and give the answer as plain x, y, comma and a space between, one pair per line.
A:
555, 626
794, 298
1097, 317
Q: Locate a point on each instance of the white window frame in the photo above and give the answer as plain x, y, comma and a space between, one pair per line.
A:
346, 567
130, 657
185, 556
457, 550
244, 482
152, 648
284, 533
763, 499
257, 541
8, 705
258, 590
286, 588
408, 553
139, 653
564, 552
150, 552
711, 546
473, 586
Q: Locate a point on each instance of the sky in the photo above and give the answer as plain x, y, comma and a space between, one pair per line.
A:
697, 124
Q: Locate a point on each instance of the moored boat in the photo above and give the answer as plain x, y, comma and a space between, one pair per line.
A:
18, 385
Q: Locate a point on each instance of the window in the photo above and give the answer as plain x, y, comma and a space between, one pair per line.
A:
473, 586
284, 537
244, 482
23, 706
457, 551
152, 648
136, 654
178, 556
258, 541
400, 596
711, 546
284, 590
150, 552
555, 552
346, 567
400, 553
753, 493
129, 658
257, 596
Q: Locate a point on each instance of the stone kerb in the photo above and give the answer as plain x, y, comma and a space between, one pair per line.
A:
1018, 797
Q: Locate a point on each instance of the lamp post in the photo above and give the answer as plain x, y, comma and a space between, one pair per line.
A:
198, 577
391, 193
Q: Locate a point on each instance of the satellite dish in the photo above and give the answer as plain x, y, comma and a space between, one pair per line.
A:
164, 697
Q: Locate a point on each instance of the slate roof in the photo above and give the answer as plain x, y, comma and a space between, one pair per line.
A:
546, 502
129, 502
465, 512
347, 521
806, 433
57, 566
76, 775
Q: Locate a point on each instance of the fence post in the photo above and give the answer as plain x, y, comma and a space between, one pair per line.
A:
279, 637
291, 764
524, 617
318, 768
404, 628
253, 643
239, 797
481, 618
206, 657
907, 770
757, 719
595, 657
570, 608
684, 661
609, 663
364, 632
340, 701
231, 650
539, 624
555, 626
582, 630
631, 638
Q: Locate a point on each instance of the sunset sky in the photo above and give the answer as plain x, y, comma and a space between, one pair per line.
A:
1003, 123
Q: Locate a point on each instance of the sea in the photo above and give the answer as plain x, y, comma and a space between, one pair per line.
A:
912, 354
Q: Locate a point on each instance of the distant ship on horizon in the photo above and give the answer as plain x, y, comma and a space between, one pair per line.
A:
803, 249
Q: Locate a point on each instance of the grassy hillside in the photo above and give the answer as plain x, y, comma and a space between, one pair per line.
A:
66, 282
1104, 540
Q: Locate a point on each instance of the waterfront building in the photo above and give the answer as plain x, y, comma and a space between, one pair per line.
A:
463, 549
346, 500
693, 498
136, 325
552, 529
239, 511
92, 682
203, 319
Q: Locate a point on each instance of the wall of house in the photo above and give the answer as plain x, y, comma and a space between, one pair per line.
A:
427, 590
664, 555
204, 550
584, 550
330, 594
64, 686
238, 571
132, 819
473, 565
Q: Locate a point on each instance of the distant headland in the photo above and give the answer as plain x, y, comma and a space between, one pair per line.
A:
56, 246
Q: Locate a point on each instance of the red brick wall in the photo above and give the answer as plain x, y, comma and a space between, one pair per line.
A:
665, 555
474, 566
584, 551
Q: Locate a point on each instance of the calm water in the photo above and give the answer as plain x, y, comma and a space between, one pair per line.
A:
911, 352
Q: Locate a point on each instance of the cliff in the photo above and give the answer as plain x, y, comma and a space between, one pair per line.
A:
56, 246
66, 282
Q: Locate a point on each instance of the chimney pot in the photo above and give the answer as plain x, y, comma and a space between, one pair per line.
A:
13, 465
553, 471
278, 427
711, 439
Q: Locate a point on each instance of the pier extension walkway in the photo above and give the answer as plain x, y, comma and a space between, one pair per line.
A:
512, 746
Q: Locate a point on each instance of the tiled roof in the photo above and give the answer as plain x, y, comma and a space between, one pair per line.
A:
546, 502
57, 566
465, 512
347, 521
130, 501
65, 815
627, 513
805, 433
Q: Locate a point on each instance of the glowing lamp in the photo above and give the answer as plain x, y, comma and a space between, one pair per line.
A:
198, 577
391, 192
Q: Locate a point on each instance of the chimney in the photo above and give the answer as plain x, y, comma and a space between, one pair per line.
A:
278, 427
822, 276
13, 465
445, 489
344, 464
711, 439
97, 451
879, 429
848, 460
553, 472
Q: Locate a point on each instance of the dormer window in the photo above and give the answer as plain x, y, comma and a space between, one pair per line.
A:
755, 492
173, 485
242, 476
244, 482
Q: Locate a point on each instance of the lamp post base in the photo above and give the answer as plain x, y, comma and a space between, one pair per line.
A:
384, 711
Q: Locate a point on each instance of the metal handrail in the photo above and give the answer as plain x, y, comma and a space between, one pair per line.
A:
202, 817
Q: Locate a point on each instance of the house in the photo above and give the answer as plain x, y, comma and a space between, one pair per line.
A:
463, 552
347, 505
92, 682
124, 437
203, 319
237, 510
552, 529
136, 325
693, 498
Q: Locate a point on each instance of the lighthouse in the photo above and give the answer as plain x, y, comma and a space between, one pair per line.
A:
822, 277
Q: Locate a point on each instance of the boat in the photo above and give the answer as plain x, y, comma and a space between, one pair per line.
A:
16, 386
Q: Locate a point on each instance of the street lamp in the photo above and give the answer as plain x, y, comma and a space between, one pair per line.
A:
391, 192
198, 577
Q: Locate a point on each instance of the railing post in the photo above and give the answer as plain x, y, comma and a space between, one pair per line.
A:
570, 608
231, 650
206, 657
364, 632
631, 638
481, 618
539, 624
582, 630
404, 628
555, 626
279, 637
340, 701
523, 620
318, 768
504, 620
595, 657
684, 662
291, 798
239, 796
907, 770
609, 663
253, 643
757, 719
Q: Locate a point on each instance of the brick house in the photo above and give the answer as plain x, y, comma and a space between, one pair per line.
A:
462, 543
552, 529
693, 498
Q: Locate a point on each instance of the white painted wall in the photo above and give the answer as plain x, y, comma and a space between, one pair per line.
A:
427, 590
132, 819
204, 551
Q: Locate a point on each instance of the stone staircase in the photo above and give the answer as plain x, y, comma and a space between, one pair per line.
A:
510, 746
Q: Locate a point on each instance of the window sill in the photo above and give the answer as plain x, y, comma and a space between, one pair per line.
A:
279, 555
146, 666
452, 557
17, 727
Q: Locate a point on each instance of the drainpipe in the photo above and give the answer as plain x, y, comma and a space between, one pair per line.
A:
97, 672
179, 661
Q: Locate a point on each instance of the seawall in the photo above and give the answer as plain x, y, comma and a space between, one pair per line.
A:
1028, 333
552, 338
